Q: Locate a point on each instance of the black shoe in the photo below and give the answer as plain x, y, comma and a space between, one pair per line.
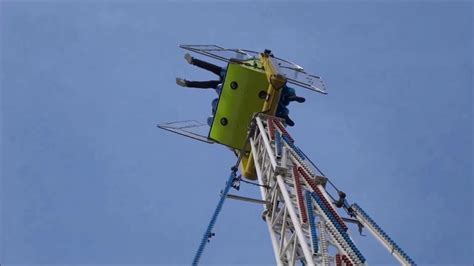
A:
289, 121
296, 99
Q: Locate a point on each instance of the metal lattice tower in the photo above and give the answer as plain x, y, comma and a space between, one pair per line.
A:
301, 216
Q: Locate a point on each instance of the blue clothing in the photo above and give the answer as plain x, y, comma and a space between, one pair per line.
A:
223, 72
219, 88
282, 111
210, 119
285, 93
214, 105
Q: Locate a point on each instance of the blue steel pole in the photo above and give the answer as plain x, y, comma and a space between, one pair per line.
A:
218, 209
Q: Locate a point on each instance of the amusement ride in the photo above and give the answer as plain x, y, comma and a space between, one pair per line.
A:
306, 214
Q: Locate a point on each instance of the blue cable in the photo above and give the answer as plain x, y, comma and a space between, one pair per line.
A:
218, 209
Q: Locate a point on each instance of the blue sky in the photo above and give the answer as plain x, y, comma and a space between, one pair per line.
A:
86, 177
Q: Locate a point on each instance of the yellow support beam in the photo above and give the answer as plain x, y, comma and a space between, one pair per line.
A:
276, 82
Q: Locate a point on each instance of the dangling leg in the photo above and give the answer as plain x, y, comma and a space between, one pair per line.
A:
284, 112
289, 95
289, 121
295, 98
210, 84
203, 64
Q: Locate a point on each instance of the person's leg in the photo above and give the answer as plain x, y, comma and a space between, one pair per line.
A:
295, 98
284, 113
205, 65
289, 95
289, 121
280, 111
210, 84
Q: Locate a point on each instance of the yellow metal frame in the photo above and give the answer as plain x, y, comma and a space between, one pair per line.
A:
276, 82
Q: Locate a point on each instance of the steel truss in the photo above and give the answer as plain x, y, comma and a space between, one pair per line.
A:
301, 216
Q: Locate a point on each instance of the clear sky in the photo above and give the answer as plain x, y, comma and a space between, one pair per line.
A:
86, 177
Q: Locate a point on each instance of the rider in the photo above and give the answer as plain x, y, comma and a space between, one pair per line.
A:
287, 95
209, 84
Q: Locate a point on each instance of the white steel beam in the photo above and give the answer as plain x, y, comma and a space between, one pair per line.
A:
267, 142
295, 220
264, 197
